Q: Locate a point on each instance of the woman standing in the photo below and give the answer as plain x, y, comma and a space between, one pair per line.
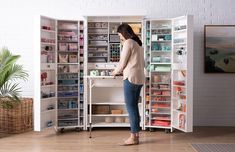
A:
131, 65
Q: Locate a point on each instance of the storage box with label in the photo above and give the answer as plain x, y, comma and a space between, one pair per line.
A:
117, 111
63, 58
73, 46
73, 68
101, 109
73, 58
63, 47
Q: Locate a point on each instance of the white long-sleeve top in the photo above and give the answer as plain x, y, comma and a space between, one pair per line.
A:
131, 62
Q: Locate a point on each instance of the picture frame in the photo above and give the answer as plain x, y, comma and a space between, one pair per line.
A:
219, 48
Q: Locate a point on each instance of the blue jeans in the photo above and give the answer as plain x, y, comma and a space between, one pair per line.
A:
131, 94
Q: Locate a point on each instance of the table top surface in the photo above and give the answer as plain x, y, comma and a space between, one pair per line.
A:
103, 77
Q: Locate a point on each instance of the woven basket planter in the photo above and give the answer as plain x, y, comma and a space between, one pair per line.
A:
18, 119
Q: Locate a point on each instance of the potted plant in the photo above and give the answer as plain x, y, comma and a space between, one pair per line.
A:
14, 110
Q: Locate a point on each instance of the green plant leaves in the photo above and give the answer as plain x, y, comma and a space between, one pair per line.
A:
10, 73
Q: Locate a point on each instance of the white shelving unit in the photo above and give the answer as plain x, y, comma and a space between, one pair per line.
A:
169, 54
59, 85
101, 113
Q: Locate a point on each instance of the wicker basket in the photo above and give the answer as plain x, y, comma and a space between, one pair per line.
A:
18, 119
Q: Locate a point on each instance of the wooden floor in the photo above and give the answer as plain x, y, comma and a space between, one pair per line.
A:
108, 140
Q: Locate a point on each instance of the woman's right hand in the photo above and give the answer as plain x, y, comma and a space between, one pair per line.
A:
113, 73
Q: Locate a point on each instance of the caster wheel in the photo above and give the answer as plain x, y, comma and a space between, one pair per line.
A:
62, 130
151, 130
167, 131
78, 129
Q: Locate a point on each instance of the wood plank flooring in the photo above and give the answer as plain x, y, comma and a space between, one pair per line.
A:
109, 140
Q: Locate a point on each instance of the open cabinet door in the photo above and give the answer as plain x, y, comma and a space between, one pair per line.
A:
59, 68
182, 73
45, 73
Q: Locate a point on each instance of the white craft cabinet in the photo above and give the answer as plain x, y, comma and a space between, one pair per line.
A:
73, 86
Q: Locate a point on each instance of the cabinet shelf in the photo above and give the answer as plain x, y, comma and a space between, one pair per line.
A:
160, 113
164, 41
97, 56
109, 103
181, 86
163, 34
44, 43
69, 79
161, 108
104, 124
67, 97
69, 109
61, 85
68, 51
73, 126
67, 41
48, 31
160, 63
161, 83
98, 45
48, 86
157, 126
160, 28
68, 73
97, 27
161, 71
98, 39
160, 89
48, 111
68, 63
67, 91
160, 95
68, 30
97, 33
165, 119
180, 31
179, 43
160, 51
95, 51
161, 101
67, 119
110, 115
46, 99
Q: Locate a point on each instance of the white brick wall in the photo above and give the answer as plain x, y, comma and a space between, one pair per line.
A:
214, 94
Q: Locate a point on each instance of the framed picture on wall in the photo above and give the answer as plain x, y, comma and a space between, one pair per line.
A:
219, 48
